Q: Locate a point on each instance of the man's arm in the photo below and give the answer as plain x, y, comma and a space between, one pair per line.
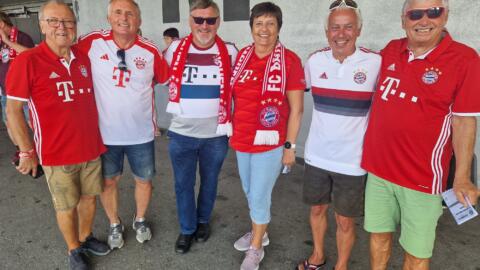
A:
14, 45
18, 128
463, 138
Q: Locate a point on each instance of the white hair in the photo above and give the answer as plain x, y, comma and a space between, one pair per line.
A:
56, 2
407, 3
357, 11
109, 7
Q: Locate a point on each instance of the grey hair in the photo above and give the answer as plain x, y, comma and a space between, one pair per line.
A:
203, 4
407, 3
137, 7
356, 10
49, 2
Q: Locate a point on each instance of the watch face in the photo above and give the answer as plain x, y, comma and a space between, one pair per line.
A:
287, 145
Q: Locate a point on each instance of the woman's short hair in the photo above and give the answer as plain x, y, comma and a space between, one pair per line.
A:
266, 8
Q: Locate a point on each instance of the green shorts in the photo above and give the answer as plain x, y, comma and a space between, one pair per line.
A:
388, 204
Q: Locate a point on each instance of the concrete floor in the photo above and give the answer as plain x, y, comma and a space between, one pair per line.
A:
29, 238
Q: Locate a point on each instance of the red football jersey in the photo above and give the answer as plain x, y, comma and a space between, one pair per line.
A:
62, 104
247, 93
408, 140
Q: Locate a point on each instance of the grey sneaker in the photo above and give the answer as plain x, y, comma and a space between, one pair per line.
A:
252, 260
115, 237
77, 259
142, 229
243, 243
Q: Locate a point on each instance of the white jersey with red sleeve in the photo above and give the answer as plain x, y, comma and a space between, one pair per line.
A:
124, 97
409, 136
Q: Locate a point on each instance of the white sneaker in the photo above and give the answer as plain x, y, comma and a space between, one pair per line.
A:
252, 260
244, 242
142, 229
115, 237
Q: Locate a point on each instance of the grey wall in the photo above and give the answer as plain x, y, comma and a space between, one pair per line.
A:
302, 30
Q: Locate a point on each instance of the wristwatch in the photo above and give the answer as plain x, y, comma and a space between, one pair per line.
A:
289, 145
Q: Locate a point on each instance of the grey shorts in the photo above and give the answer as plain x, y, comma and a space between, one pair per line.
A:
346, 193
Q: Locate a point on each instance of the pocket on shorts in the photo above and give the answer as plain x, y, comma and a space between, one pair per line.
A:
69, 169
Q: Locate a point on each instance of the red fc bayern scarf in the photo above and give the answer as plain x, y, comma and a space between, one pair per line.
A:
176, 72
269, 121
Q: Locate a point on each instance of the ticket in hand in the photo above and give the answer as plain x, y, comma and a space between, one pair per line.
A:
461, 213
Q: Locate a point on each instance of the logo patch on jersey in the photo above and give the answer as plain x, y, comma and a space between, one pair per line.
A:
84, 71
104, 57
140, 63
323, 76
391, 67
431, 75
360, 76
269, 116
54, 75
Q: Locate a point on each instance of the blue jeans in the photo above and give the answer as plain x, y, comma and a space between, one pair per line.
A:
259, 173
185, 152
141, 158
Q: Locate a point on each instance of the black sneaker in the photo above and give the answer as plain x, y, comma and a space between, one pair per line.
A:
203, 232
78, 259
95, 246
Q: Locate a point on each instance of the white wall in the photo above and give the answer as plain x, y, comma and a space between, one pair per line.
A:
302, 29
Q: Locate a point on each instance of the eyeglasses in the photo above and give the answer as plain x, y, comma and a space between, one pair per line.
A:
432, 13
343, 3
122, 65
54, 22
201, 20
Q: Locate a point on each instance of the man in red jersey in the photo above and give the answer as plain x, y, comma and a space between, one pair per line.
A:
66, 140
423, 111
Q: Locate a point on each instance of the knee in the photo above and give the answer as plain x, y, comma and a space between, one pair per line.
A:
413, 262
110, 184
345, 224
319, 210
144, 185
381, 239
88, 198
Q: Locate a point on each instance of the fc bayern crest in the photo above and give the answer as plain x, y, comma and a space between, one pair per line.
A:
222, 113
140, 63
172, 91
431, 75
269, 117
84, 71
360, 77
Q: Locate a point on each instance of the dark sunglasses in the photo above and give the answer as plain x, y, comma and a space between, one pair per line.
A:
417, 14
347, 3
201, 20
122, 65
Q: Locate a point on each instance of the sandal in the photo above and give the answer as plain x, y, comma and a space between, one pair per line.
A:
309, 266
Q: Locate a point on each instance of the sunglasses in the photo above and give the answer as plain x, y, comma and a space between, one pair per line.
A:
343, 3
201, 20
122, 65
417, 14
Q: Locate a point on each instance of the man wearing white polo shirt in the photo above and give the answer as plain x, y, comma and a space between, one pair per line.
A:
342, 78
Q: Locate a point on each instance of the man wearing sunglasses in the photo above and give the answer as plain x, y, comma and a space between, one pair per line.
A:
125, 67
199, 99
342, 78
56, 81
424, 109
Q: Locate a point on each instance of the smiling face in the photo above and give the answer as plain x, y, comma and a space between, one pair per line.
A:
60, 37
342, 32
124, 18
204, 34
424, 33
265, 31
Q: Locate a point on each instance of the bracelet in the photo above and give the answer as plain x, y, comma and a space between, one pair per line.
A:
26, 154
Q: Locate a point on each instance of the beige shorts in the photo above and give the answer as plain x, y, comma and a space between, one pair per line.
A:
67, 183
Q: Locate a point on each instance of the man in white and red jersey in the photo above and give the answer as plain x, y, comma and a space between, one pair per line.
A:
342, 78
67, 141
198, 97
423, 110
125, 68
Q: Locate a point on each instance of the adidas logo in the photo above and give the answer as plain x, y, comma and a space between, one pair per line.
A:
391, 67
324, 76
104, 57
54, 75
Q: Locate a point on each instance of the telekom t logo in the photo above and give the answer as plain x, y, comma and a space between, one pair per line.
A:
245, 75
121, 77
390, 85
65, 89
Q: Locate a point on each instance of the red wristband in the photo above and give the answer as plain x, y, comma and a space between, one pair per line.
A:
26, 154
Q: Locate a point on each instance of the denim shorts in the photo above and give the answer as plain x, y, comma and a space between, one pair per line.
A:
4, 107
141, 158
